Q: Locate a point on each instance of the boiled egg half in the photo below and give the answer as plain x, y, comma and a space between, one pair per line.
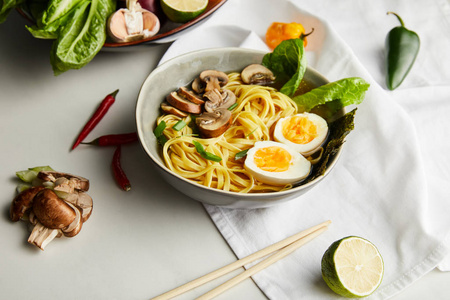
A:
276, 163
304, 132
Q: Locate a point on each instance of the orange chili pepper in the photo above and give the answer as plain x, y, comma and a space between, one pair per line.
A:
278, 32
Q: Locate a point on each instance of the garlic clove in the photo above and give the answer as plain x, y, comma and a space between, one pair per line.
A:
126, 25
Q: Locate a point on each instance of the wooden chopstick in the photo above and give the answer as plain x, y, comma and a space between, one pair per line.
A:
287, 246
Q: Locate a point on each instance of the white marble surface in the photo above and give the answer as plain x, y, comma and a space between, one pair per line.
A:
137, 244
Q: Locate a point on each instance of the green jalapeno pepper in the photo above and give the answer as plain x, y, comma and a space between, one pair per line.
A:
402, 47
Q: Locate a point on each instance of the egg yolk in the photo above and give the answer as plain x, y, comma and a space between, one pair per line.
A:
299, 130
272, 159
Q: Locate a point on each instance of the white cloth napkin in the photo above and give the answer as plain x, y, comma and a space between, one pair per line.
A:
390, 185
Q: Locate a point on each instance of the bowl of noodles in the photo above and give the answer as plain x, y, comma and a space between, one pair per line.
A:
213, 169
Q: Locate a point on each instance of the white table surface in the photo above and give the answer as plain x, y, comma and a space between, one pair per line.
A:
137, 244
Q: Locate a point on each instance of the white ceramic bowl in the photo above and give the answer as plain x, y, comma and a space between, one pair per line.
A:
180, 71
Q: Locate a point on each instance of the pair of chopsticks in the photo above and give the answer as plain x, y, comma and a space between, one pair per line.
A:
283, 247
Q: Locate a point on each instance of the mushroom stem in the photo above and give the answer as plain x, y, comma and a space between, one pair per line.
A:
41, 236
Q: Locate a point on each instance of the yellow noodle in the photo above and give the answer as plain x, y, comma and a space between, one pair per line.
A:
258, 108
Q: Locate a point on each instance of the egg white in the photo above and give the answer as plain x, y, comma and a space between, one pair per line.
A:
312, 146
298, 170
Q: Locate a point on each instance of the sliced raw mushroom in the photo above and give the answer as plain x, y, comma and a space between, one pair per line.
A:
52, 211
217, 99
213, 79
190, 95
73, 228
213, 124
132, 23
83, 202
167, 108
183, 104
41, 235
23, 203
257, 74
198, 85
78, 182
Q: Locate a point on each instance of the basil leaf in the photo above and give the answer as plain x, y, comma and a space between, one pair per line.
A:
179, 125
288, 63
205, 154
82, 37
348, 91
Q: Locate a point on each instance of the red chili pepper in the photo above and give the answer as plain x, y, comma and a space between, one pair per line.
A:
96, 117
114, 139
119, 175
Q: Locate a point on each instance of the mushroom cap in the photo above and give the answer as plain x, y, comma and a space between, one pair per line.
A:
23, 203
167, 108
257, 74
198, 85
219, 100
52, 211
183, 104
214, 79
213, 124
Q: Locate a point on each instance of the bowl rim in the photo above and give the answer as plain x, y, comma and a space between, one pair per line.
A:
248, 196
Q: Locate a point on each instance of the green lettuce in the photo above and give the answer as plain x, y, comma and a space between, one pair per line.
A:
348, 91
6, 6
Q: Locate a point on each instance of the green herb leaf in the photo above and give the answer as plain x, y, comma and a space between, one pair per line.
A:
348, 91
241, 154
203, 153
288, 63
179, 125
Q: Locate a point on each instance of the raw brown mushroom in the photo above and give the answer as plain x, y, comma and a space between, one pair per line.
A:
23, 203
58, 207
183, 104
52, 211
217, 99
78, 182
257, 74
213, 79
213, 124
83, 202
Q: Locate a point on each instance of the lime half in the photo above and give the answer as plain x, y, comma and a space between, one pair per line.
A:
182, 11
352, 267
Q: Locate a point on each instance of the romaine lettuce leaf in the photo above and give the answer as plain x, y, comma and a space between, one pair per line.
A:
82, 37
348, 90
6, 6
